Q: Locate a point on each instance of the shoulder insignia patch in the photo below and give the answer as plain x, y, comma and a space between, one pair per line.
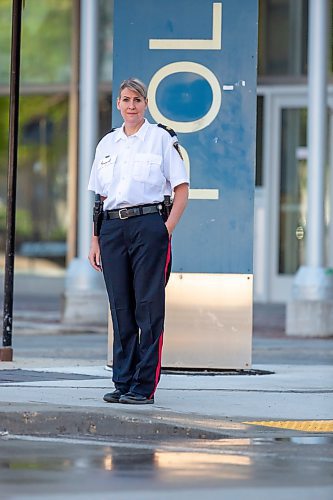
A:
177, 148
168, 129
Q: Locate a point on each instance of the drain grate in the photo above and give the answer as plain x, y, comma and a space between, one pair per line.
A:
19, 375
205, 371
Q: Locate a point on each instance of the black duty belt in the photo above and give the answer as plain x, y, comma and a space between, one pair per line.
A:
125, 213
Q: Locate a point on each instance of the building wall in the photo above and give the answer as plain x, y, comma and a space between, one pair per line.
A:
47, 165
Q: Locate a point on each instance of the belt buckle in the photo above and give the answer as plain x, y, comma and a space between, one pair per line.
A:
120, 214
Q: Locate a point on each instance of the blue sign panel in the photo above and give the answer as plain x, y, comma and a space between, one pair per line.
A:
198, 59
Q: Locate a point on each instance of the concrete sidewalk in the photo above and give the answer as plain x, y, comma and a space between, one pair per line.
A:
56, 383
68, 401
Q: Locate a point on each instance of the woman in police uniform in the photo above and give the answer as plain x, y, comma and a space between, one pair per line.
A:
135, 166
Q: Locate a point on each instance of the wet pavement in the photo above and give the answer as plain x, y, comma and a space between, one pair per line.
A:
282, 468
223, 437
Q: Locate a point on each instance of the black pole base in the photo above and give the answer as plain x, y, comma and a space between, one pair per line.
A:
6, 354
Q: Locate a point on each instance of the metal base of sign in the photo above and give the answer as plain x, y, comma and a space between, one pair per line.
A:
6, 354
208, 322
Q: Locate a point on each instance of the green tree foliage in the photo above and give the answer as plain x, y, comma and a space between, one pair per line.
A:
46, 37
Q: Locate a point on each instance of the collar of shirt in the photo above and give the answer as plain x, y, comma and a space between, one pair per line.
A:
141, 133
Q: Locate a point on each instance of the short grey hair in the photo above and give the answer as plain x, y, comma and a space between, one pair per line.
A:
134, 84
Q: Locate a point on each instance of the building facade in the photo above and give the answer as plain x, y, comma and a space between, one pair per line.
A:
48, 142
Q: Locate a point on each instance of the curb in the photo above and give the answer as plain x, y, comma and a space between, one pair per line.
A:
95, 425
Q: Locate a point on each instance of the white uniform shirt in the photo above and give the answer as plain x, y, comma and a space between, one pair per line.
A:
137, 169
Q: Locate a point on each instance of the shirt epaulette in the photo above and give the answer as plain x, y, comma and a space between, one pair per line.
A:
168, 129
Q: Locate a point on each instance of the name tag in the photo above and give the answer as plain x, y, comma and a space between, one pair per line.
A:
107, 160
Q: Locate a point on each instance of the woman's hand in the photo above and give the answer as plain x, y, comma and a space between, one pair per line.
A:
178, 207
95, 254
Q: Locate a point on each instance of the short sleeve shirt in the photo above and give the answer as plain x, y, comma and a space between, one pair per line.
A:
137, 169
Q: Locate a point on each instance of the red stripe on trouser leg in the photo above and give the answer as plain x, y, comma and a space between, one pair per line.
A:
158, 368
160, 341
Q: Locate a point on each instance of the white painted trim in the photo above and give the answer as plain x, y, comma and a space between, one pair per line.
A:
277, 287
214, 43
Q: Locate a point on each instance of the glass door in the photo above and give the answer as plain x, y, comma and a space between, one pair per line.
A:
292, 191
287, 186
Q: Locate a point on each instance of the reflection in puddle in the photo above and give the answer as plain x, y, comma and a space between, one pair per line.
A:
35, 463
296, 440
166, 460
39, 466
202, 465
178, 460
107, 461
198, 458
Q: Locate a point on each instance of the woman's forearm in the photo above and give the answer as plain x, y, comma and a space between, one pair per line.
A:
178, 206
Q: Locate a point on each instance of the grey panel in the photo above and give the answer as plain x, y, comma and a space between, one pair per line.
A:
208, 322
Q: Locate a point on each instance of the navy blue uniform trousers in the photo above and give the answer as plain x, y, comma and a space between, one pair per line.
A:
136, 259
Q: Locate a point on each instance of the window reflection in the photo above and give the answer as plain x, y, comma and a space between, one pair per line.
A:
105, 40
283, 26
105, 108
259, 148
293, 190
5, 40
46, 40
42, 176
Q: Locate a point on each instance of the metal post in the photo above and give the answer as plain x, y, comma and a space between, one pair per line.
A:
6, 352
88, 116
317, 60
85, 298
310, 311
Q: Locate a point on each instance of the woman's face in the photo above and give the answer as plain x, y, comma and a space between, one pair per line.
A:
132, 107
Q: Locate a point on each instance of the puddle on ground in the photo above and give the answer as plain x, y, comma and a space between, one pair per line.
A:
297, 440
31, 452
37, 465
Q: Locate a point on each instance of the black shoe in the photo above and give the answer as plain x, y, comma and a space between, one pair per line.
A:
112, 397
135, 399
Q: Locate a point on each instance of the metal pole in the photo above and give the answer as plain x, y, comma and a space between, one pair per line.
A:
6, 352
317, 60
85, 291
310, 311
88, 117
